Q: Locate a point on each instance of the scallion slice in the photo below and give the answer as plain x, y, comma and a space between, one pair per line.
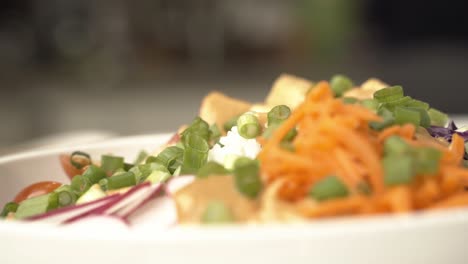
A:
427, 160
389, 94
80, 184
438, 118
370, 104
170, 157
247, 177
405, 115
141, 157
195, 153
37, 205
340, 84
398, 169
248, 126
111, 163
211, 168
122, 180
217, 212
94, 174
10, 207
278, 114
79, 159
230, 123
328, 188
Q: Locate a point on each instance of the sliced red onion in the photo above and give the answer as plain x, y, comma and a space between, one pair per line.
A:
63, 214
177, 183
117, 204
139, 201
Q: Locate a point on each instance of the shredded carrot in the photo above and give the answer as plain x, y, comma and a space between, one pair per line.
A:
334, 138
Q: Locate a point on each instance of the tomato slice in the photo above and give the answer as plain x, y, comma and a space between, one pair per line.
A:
68, 168
36, 189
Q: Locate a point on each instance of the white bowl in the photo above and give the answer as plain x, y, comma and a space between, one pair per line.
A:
437, 237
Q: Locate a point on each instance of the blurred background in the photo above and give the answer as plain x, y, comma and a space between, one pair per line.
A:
101, 68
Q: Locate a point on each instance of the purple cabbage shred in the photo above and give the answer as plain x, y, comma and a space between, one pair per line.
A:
447, 133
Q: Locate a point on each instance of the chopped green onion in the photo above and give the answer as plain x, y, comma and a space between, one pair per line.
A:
370, 104
350, 100
122, 180
215, 134
398, 169
417, 104
278, 114
195, 153
247, 177
405, 115
389, 94
142, 171
217, 212
270, 130
158, 176
199, 127
427, 160
388, 119
395, 145
170, 157
79, 159
141, 157
340, 84
211, 168
438, 118
111, 163
128, 166
80, 184
94, 174
397, 102
37, 205
10, 207
103, 184
230, 123
425, 120
248, 126
328, 188
66, 198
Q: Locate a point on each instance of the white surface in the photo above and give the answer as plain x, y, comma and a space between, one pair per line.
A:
425, 238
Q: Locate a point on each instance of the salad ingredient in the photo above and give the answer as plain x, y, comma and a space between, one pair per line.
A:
328, 188
121, 180
334, 139
195, 153
80, 184
170, 158
93, 193
70, 170
340, 84
248, 126
110, 164
94, 174
37, 205
288, 90
36, 189
217, 108
437, 117
278, 114
228, 125
192, 199
80, 159
389, 94
211, 168
247, 178
217, 212
142, 157
232, 146
9, 207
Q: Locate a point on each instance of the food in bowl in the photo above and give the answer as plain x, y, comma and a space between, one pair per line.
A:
311, 150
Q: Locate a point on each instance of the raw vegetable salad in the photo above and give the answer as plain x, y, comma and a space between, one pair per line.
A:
311, 150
